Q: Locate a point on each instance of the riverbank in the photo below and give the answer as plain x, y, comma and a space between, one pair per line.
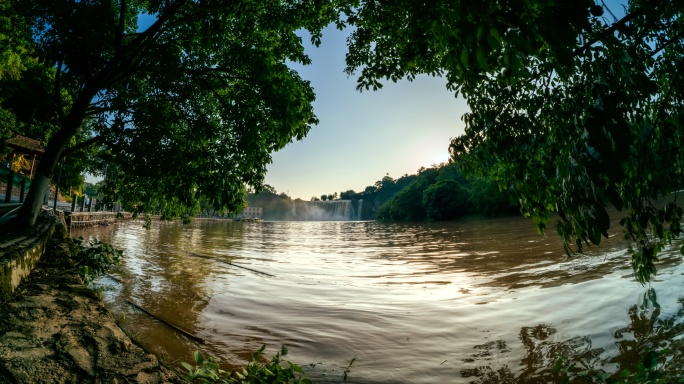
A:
53, 329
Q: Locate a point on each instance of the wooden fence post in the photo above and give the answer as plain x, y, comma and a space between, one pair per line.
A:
8, 191
21, 191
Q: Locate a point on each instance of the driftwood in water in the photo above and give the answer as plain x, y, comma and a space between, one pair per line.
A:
184, 332
231, 264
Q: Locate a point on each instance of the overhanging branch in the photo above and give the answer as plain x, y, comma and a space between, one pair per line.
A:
610, 30
82, 145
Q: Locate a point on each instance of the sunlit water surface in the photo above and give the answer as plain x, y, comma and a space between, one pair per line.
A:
476, 300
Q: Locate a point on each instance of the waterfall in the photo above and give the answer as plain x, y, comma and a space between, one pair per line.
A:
360, 203
334, 210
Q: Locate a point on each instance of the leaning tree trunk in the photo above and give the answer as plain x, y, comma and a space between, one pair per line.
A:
46, 168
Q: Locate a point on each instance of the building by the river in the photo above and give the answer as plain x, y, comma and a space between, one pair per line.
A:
252, 213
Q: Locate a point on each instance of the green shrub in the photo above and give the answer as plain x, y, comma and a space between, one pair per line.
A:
93, 257
274, 371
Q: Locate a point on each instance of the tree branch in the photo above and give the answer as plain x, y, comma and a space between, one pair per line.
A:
82, 145
94, 110
668, 94
58, 90
211, 72
120, 32
120, 65
612, 29
667, 44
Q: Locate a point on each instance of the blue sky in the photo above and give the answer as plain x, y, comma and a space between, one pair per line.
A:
364, 135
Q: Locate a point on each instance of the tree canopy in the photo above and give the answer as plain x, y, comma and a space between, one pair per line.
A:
441, 192
572, 106
190, 105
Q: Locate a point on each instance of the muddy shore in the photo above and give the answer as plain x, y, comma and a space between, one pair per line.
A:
53, 329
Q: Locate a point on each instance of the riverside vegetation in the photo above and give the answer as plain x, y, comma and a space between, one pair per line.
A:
274, 371
438, 193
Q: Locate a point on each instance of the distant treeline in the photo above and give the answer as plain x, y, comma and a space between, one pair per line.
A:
443, 193
437, 193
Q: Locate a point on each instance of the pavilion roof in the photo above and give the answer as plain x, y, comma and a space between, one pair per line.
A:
24, 144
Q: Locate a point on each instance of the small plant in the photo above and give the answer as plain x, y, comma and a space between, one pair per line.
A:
93, 258
121, 320
274, 371
347, 369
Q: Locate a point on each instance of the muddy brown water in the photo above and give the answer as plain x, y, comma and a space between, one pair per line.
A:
476, 300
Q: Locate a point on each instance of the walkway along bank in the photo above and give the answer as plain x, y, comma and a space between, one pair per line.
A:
86, 219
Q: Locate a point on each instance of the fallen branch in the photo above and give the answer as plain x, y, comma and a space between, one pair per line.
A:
229, 263
184, 332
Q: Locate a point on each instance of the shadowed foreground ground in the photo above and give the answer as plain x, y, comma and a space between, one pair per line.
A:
55, 330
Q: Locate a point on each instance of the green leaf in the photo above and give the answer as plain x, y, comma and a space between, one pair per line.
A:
603, 220
296, 367
650, 360
594, 235
481, 59
464, 58
188, 367
494, 43
198, 357
495, 34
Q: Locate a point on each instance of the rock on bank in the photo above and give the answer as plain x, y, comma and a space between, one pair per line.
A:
55, 330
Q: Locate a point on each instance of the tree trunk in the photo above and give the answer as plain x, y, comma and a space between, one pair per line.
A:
34, 200
46, 168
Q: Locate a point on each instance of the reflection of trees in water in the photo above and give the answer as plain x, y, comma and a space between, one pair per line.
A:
537, 365
646, 332
548, 360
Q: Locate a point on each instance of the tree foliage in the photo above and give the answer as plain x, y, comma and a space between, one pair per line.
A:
13, 47
572, 107
444, 200
28, 103
405, 205
443, 193
190, 105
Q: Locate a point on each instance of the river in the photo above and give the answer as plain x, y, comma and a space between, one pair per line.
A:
469, 301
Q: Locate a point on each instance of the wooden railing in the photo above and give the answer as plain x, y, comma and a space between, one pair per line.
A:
84, 219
